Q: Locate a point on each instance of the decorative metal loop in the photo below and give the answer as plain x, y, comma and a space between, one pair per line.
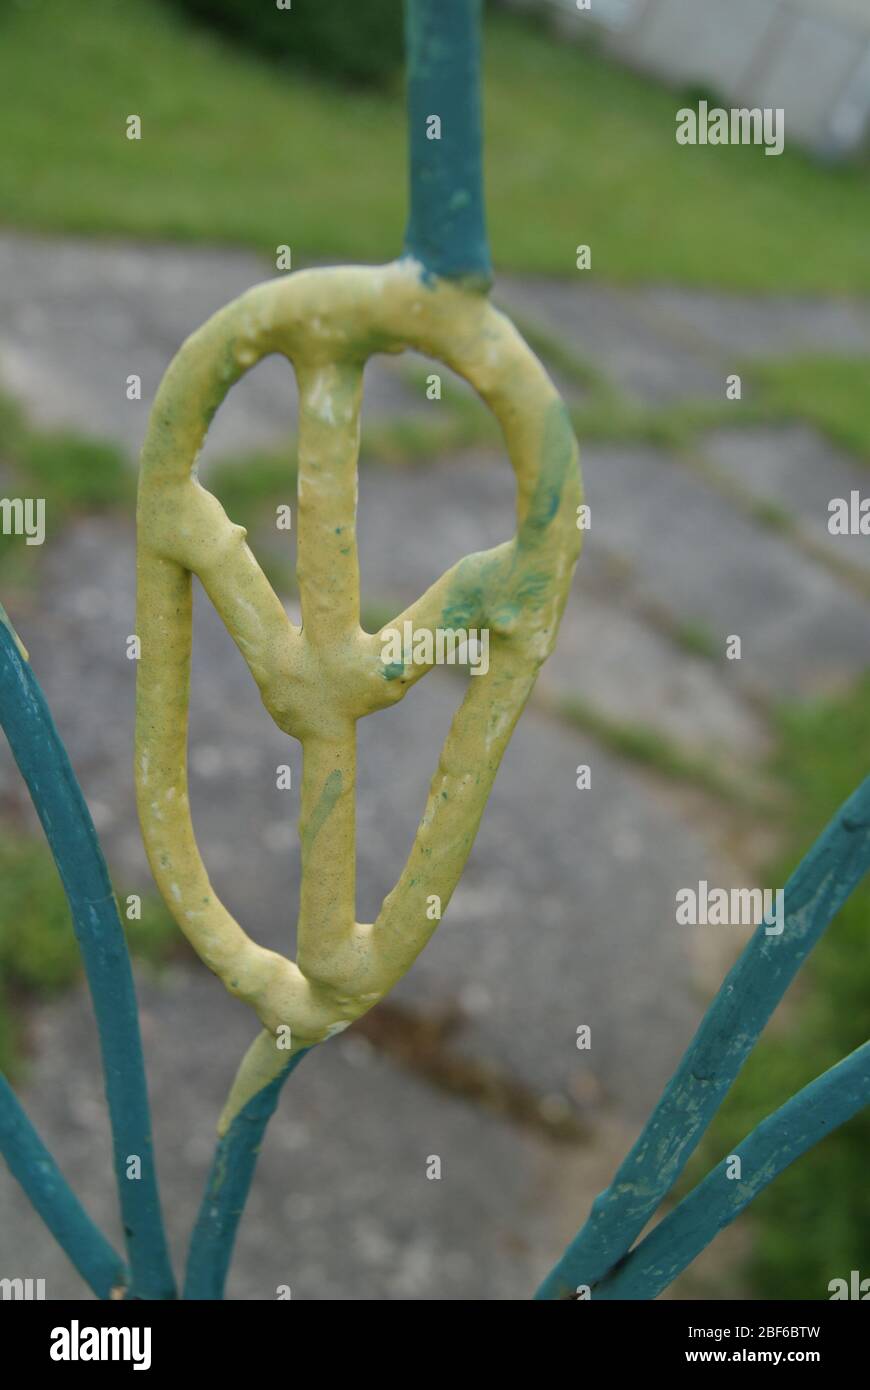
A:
317, 680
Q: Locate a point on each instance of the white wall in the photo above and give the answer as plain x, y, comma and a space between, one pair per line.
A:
810, 57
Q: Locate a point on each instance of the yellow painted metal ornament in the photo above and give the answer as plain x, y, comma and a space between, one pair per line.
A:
317, 680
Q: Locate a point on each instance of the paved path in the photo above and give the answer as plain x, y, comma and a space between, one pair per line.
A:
565, 914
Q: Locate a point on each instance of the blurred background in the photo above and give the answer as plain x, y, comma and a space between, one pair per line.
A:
262, 128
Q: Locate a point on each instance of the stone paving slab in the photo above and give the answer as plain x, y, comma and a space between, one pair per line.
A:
76, 318
746, 326
594, 871
606, 655
794, 467
683, 545
803, 630
611, 659
341, 1207
653, 360
564, 915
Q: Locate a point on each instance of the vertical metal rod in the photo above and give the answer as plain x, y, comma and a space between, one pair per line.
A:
45, 767
447, 223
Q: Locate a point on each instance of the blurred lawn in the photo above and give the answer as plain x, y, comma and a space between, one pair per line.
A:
237, 151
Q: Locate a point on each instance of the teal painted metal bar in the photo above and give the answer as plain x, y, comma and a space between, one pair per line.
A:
45, 767
232, 1171
447, 222
813, 895
816, 1111
33, 1167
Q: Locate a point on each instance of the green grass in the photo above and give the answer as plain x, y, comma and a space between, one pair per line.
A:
607, 417
646, 746
250, 485
697, 639
578, 150
406, 440
39, 955
812, 1224
74, 473
832, 393
70, 472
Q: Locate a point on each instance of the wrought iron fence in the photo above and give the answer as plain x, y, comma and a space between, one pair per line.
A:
317, 681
